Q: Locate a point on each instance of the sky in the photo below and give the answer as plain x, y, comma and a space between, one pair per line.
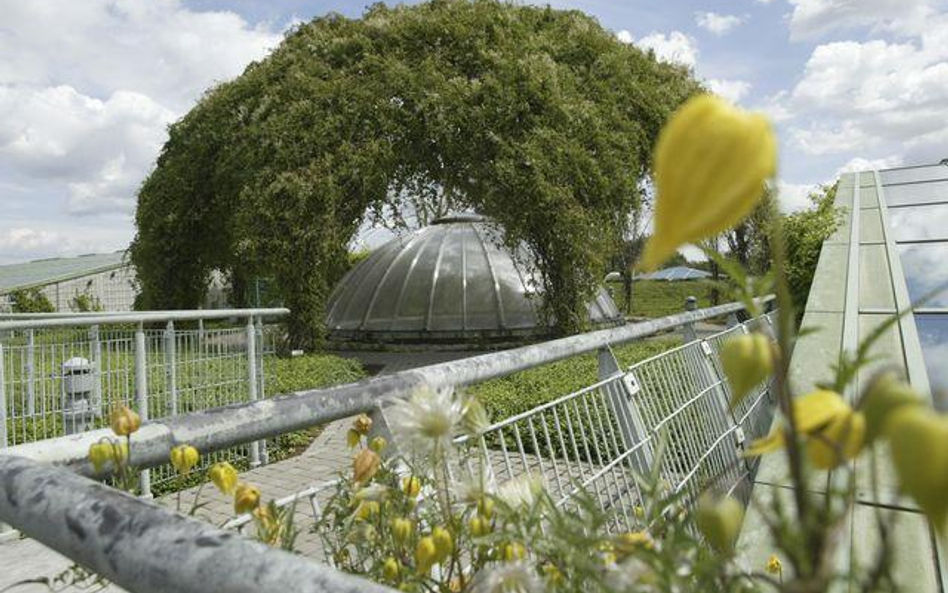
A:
88, 88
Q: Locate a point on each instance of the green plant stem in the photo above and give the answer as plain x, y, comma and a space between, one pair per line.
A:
785, 332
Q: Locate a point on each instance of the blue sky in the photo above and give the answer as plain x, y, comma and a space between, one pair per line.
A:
88, 87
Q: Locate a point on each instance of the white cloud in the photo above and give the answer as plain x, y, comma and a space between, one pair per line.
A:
41, 239
875, 95
88, 88
675, 47
717, 24
811, 18
864, 164
794, 196
732, 90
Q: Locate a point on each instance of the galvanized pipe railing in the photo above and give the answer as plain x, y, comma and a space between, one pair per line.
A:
219, 428
146, 548
21, 321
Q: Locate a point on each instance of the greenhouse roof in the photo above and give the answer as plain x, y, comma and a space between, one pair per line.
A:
675, 273
48, 271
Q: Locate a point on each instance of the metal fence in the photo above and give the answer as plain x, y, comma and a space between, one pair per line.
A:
62, 374
600, 438
595, 438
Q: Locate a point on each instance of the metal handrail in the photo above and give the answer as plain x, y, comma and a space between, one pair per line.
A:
218, 428
114, 318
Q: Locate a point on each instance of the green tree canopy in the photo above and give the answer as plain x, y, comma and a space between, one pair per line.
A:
538, 118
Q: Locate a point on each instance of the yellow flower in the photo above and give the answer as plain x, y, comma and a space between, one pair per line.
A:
362, 424
402, 529
390, 569
411, 486
224, 476
918, 439
774, 566
719, 521
885, 394
367, 510
627, 543
365, 465
353, 438
485, 507
513, 551
639, 512
747, 360
124, 421
425, 555
553, 575
100, 454
444, 544
378, 444
834, 432
183, 458
479, 526
246, 498
711, 162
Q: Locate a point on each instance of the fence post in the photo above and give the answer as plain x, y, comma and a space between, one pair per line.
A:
171, 369
96, 370
3, 401
30, 373
620, 395
252, 382
688, 330
262, 380
141, 395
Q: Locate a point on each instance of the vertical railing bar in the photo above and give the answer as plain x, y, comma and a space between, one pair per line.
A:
552, 448
503, 447
30, 376
141, 393
252, 382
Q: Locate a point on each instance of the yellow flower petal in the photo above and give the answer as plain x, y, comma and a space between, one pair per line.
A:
711, 162
817, 409
839, 442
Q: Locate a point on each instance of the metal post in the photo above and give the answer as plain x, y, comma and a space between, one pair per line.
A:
252, 383
171, 368
141, 395
3, 402
30, 374
732, 320
688, 329
96, 370
620, 395
262, 380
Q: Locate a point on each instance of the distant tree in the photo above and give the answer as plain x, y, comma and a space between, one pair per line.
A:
805, 232
537, 118
31, 300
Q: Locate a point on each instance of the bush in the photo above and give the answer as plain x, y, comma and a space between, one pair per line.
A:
31, 301
659, 298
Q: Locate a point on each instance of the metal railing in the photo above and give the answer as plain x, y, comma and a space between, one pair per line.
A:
62, 373
594, 438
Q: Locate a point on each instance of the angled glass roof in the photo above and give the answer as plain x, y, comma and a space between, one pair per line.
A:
48, 271
450, 281
675, 273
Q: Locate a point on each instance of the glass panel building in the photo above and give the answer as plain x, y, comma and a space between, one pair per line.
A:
890, 251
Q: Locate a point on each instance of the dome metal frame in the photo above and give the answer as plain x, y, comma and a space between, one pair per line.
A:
452, 282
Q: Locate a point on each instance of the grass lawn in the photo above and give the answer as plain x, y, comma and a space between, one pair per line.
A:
658, 298
523, 391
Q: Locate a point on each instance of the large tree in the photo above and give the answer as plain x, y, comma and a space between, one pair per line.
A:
537, 118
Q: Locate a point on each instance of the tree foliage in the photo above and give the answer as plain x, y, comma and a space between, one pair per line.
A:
805, 232
538, 118
31, 300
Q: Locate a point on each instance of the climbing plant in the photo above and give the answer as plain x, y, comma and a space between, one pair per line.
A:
538, 118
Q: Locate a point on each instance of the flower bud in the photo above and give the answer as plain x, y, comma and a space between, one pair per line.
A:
513, 551
485, 507
100, 454
774, 566
390, 569
365, 465
352, 438
402, 530
367, 510
362, 424
479, 526
627, 543
224, 476
183, 458
425, 555
747, 360
719, 521
474, 419
444, 544
378, 444
124, 421
246, 498
886, 393
411, 486
840, 441
711, 163
918, 439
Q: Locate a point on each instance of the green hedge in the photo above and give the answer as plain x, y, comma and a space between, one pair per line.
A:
659, 298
